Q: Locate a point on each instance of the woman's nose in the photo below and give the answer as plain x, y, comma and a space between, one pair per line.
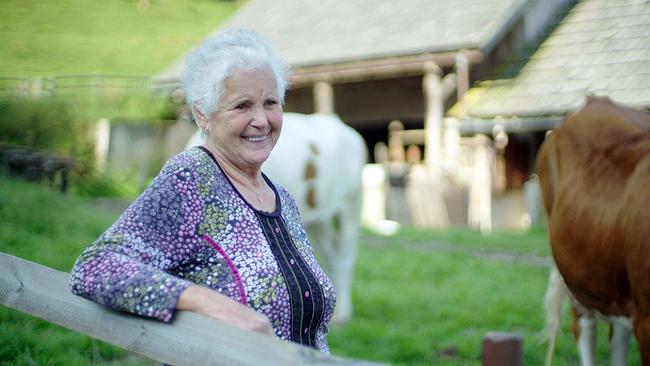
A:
259, 117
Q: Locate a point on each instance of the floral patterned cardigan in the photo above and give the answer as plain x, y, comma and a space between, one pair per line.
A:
192, 226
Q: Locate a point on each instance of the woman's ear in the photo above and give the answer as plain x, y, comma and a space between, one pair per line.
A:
201, 118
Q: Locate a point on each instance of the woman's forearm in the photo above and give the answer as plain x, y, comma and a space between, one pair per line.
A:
204, 301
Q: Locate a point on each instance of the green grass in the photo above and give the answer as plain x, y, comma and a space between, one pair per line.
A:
533, 242
45, 38
420, 306
421, 297
42, 225
427, 297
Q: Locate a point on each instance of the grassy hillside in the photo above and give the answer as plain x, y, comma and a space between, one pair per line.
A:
421, 297
109, 37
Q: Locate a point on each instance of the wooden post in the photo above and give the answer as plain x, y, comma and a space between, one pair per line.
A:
102, 143
323, 98
426, 186
502, 349
451, 143
462, 76
375, 190
36, 87
433, 115
479, 212
191, 339
396, 152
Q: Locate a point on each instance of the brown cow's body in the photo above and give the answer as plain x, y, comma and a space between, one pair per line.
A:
595, 175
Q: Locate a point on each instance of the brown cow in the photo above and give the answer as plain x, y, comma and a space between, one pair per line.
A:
594, 171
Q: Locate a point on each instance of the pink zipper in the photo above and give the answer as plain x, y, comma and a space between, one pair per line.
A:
233, 269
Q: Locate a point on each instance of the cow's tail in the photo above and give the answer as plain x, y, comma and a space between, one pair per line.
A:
554, 300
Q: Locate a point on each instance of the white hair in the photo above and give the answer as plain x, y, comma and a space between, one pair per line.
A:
209, 66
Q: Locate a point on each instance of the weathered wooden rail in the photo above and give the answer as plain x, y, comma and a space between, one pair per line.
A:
190, 339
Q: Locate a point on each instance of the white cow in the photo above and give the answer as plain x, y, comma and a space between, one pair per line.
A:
319, 159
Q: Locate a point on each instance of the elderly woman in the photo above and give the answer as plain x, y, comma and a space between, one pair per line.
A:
212, 234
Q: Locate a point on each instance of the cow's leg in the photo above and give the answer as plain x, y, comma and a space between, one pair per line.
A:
556, 293
638, 265
321, 235
642, 332
346, 242
638, 270
620, 340
586, 336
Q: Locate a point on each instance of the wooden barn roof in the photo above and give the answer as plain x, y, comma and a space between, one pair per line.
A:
338, 32
601, 47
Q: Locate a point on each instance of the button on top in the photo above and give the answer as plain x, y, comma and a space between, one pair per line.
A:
306, 293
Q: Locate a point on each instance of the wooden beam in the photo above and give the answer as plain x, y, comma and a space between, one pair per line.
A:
190, 339
470, 125
412, 136
384, 68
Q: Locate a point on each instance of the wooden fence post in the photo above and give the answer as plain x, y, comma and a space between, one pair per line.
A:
502, 349
36, 87
102, 143
191, 339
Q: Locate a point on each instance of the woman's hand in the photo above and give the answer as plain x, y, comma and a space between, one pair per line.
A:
204, 301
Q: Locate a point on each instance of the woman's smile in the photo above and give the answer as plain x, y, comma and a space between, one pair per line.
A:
258, 138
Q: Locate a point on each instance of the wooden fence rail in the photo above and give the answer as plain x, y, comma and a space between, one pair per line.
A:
55, 85
191, 339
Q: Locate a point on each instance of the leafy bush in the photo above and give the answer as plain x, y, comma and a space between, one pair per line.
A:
67, 126
50, 124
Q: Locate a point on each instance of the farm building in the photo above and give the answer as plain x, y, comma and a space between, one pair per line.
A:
468, 88
598, 47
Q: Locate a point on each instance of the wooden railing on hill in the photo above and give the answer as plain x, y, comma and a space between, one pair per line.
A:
61, 84
190, 339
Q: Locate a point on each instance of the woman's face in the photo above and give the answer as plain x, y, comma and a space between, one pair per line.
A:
248, 120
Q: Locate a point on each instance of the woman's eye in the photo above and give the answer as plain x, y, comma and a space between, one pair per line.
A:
241, 106
271, 102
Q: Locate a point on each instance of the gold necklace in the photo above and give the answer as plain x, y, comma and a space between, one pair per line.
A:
249, 188
259, 196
